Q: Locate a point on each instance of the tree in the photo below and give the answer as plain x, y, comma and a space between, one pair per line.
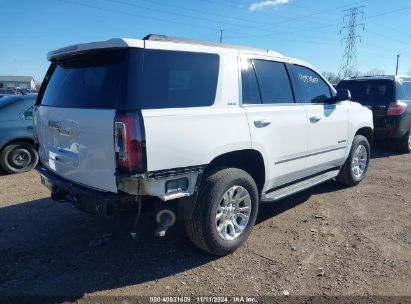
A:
375, 72
331, 77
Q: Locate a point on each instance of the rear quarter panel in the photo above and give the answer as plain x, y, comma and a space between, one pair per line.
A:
12, 127
359, 117
184, 137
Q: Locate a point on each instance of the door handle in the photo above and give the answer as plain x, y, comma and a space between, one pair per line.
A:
315, 119
262, 123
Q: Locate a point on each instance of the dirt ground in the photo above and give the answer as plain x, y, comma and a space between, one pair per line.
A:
329, 240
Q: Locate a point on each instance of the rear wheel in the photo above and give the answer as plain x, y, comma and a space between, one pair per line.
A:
18, 157
225, 212
405, 144
356, 166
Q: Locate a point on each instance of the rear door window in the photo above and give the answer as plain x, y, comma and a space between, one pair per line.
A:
369, 92
173, 79
312, 88
274, 83
95, 79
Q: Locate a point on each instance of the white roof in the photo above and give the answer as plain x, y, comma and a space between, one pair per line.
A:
382, 77
17, 78
160, 39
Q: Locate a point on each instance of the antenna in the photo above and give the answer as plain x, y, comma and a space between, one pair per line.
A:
398, 60
221, 35
348, 66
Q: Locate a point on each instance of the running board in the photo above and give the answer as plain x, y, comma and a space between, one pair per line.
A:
299, 186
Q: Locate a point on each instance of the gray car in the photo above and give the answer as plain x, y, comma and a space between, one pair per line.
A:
17, 153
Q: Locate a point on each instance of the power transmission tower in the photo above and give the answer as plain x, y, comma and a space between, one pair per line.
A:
348, 66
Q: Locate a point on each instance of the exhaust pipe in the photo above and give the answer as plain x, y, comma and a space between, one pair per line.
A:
165, 219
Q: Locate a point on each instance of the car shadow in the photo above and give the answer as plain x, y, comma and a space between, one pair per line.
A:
383, 149
53, 249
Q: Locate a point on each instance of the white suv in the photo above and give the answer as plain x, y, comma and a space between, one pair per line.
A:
203, 132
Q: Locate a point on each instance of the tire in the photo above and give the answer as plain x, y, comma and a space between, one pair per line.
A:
18, 157
405, 143
215, 191
347, 175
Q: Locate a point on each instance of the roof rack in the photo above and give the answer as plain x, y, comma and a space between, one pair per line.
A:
158, 37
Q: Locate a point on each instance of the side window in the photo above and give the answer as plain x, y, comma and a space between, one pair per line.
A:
274, 82
28, 114
313, 89
173, 79
251, 92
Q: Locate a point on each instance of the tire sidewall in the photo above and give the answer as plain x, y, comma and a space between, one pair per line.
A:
9, 149
406, 145
214, 240
358, 140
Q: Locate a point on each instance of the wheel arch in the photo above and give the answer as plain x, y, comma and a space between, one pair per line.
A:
27, 140
249, 160
367, 132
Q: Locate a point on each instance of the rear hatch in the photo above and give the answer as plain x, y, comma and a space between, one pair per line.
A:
375, 94
76, 110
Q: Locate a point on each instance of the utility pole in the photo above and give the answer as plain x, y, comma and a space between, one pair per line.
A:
348, 66
398, 60
221, 36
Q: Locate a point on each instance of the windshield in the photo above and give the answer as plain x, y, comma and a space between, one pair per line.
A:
370, 92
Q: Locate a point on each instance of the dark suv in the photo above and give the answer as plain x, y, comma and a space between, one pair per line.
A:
389, 97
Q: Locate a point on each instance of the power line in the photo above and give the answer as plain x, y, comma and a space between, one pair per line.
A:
136, 15
349, 61
312, 14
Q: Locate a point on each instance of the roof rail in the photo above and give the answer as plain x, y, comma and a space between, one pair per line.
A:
158, 37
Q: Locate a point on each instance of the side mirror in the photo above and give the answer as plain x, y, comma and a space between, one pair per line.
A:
343, 94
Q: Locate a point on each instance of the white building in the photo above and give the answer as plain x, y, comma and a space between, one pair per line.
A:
12, 82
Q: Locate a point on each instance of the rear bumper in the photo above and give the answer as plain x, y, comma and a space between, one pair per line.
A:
84, 198
392, 127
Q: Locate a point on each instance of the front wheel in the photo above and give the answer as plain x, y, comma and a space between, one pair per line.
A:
18, 157
356, 166
225, 212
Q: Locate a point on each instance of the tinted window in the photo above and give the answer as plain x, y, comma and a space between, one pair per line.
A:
251, 92
273, 81
369, 92
94, 79
404, 90
313, 89
132, 79
178, 79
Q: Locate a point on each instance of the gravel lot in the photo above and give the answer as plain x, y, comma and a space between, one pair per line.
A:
329, 240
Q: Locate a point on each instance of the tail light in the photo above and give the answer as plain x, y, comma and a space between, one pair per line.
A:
128, 141
396, 108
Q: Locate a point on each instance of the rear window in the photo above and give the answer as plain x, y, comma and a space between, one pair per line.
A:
91, 80
132, 79
404, 90
370, 92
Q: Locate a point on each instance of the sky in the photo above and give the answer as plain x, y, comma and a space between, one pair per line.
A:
304, 29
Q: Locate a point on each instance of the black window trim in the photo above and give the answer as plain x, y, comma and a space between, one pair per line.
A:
290, 79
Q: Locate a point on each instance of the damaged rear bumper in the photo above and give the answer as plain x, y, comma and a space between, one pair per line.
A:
87, 199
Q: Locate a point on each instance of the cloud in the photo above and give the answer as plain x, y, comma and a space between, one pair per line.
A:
258, 6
